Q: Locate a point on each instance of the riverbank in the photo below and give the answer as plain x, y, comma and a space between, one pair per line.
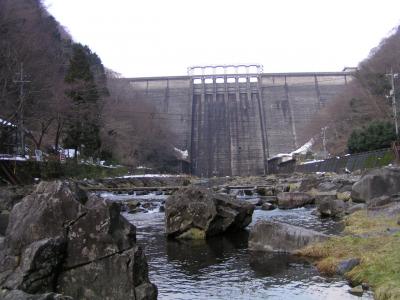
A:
220, 267
373, 240
29, 172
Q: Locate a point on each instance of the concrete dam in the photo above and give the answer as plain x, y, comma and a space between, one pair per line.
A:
231, 119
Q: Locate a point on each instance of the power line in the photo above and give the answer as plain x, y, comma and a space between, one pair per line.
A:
21, 81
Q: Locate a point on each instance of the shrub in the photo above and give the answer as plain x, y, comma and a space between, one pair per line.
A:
377, 135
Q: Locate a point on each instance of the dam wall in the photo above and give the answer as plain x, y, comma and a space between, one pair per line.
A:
232, 123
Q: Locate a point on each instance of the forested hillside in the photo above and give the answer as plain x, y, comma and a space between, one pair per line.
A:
66, 97
365, 99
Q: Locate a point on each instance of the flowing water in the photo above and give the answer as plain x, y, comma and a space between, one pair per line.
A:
224, 268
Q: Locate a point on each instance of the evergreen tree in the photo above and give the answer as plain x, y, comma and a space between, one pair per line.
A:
377, 135
83, 133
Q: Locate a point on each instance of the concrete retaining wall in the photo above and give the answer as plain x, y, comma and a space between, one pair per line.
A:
232, 123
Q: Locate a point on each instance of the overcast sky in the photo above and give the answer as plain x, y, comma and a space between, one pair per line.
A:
164, 37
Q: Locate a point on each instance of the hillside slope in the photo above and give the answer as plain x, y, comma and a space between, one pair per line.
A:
365, 98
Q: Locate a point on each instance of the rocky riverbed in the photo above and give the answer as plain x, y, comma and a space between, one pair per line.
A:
63, 233
60, 244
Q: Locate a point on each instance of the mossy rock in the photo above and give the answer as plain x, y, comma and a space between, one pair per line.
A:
345, 196
294, 187
193, 234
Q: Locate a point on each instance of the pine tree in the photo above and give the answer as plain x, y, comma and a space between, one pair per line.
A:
376, 135
83, 133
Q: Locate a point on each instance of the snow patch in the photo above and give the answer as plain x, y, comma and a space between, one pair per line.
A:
302, 150
151, 176
182, 154
312, 161
6, 123
13, 157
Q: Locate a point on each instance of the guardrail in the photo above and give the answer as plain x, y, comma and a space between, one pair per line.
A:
349, 162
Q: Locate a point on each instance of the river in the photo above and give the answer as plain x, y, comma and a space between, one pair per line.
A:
224, 268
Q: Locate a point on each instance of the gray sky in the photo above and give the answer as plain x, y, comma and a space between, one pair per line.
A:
164, 37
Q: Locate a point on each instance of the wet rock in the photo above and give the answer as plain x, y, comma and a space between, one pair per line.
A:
267, 206
130, 205
357, 291
293, 200
354, 208
315, 212
365, 286
347, 265
149, 205
376, 183
195, 212
141, 193
274, 236
255, 201
137, 210
269, 199
55, 241
162, 208
331, 208
145, 291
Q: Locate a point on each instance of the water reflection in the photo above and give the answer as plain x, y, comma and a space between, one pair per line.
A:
224, 268
278, 264
194, 256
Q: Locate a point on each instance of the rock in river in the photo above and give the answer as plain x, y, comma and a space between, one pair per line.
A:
290, 200
274, 236
59, 242
196, 213
331, 208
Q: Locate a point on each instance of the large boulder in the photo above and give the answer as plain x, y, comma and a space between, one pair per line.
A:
20, 295
310, 182
376, 183
331, 208
196, 213
11, 195
274, 236
59, 241
290, 200
356, 207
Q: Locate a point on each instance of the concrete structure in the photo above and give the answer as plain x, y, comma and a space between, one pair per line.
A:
232, 118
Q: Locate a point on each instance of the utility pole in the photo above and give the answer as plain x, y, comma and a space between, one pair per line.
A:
323, 133
394, 104
20, 111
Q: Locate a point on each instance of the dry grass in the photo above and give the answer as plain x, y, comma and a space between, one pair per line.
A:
378, 251
363, 223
